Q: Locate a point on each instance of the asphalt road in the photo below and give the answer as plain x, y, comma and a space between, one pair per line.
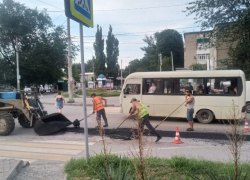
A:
48, 154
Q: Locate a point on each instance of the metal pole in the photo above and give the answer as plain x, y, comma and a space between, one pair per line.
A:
208, 64
121, 73
17, 66
84, 93
160, 56
172, 61
70, 80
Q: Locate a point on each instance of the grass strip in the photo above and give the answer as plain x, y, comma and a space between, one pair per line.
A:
180, 168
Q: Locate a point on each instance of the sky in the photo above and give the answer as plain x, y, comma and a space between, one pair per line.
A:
131, 21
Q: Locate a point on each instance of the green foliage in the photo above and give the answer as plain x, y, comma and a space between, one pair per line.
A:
66, 95
99, 53
198, 67
112, 52
76, 71
116, 171
160, 168
99, 92
42, 48
232, 27
89, 65
121, 167
163, 42
170, 40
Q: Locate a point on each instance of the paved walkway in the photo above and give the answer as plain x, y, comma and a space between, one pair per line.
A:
50, 99
9, 168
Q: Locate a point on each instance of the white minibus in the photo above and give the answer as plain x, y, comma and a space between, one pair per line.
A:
214, 92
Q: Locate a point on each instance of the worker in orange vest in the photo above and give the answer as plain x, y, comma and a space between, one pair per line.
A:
98, 107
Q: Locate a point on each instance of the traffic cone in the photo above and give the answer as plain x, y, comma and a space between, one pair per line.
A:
177, 137
246, 128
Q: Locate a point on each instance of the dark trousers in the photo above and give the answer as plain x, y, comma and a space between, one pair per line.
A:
98, 117
145, 121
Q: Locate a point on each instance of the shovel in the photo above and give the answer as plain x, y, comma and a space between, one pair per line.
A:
119, 126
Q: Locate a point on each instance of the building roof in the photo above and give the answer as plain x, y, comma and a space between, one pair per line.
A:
101, 76
198, 32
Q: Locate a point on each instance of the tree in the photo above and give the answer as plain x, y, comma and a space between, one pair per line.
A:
76, 71
231, 20
166, 64
99, 53
89, 66
41, 45
170, 40
198, 67
150, 61
112, 52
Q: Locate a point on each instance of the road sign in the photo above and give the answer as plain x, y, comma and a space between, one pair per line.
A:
80, 11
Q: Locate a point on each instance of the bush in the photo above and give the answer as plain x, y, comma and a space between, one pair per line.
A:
99, 92
80, 168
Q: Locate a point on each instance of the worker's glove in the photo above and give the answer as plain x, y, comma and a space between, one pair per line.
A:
93, 112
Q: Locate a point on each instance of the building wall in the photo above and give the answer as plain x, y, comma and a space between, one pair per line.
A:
190, 50
194, 49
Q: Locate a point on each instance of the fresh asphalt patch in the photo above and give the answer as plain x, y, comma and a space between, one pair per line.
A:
124, 133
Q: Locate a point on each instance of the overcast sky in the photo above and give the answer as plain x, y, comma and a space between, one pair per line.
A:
131, 21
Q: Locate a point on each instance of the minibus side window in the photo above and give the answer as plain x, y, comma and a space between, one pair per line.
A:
181, 85
222, 86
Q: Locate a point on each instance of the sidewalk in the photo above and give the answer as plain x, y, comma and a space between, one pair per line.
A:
50, 99
9, 168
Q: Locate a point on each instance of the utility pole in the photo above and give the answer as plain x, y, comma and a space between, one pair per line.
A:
70, 78
172, 61
17, 66
121, 73
160, 57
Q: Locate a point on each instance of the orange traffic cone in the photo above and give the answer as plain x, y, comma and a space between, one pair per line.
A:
246, 128
177, 137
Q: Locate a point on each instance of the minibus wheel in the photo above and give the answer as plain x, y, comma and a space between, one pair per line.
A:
248, 107
205, 116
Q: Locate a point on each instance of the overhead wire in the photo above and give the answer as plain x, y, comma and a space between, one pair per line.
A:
128, 9
50, 5
131, 9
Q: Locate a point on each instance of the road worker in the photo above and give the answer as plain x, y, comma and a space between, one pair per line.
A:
139, 110
98, 107
189, 103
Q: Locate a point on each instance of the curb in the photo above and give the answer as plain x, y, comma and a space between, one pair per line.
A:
15, 169
80, 104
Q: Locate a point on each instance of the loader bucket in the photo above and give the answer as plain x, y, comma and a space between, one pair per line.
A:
50, 124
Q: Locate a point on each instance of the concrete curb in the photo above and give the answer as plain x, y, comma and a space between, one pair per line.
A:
15, 169
80, 104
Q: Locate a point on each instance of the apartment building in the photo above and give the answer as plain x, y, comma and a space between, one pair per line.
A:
198, 49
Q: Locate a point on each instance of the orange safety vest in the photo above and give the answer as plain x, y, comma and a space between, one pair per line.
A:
98, 103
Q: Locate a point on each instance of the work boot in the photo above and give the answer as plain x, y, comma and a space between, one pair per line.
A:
105, 125
158, 139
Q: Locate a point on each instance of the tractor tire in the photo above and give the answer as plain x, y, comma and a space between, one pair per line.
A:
23, 121
7, 124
